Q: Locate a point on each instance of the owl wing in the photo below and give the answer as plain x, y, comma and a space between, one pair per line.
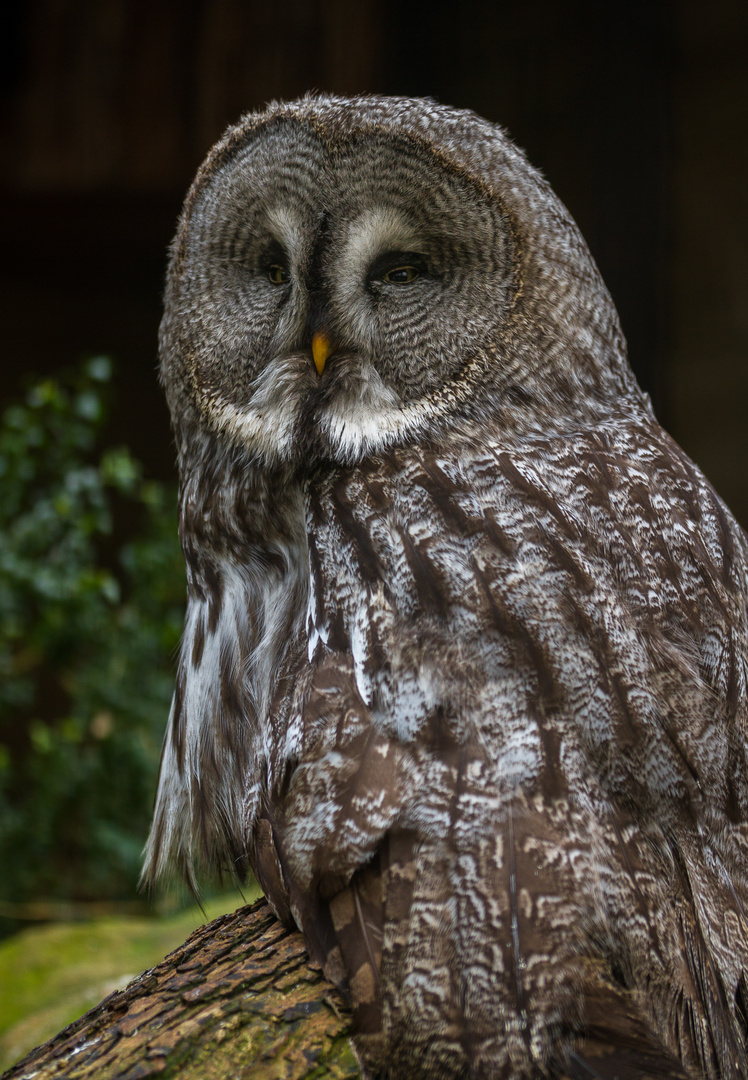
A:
514, 826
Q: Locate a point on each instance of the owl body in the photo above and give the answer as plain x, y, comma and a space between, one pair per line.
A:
463, 678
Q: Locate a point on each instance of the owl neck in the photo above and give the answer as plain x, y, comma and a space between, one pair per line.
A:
233, 510
243, 534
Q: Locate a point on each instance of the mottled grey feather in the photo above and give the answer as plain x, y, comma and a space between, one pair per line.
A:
464, 670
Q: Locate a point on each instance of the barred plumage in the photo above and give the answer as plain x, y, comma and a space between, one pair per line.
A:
464, 670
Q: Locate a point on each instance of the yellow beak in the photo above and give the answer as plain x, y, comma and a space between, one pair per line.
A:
320, 351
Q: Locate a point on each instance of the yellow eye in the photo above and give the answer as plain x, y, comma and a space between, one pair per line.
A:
401, 275
278, 274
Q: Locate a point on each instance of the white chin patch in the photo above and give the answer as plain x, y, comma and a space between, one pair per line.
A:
268, 424
364, 415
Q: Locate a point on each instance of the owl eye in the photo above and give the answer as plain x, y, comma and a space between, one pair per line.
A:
278, 274
401, 275
397, 268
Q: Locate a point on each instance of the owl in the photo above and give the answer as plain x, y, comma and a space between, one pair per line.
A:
463, 676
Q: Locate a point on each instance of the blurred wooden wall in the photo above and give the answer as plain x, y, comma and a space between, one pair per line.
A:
636, 112
129, 94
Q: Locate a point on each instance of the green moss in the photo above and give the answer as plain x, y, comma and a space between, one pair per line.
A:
51, 975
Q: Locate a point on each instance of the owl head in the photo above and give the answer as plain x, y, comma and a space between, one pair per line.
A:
352, 274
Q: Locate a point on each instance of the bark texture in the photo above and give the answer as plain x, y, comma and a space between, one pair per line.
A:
239, 1000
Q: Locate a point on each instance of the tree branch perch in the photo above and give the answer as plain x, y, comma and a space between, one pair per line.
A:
240, 1000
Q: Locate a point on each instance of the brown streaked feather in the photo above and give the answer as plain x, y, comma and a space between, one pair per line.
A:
357, 918
615, 1044
465, 665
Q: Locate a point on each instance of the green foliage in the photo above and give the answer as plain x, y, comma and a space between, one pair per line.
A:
91, 603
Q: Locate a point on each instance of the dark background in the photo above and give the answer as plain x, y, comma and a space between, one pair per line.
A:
636, 112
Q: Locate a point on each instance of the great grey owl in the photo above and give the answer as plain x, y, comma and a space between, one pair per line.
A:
463, 678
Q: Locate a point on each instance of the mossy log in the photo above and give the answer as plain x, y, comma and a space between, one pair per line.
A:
240, 1000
